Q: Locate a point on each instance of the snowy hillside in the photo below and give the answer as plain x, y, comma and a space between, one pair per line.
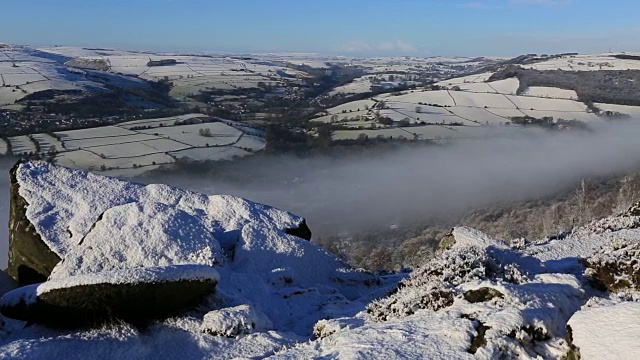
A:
134, 147
456, 107
25, 71
592, 62
280, 296
189, 73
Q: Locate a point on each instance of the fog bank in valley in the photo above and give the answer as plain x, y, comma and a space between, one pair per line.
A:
413, 184
409, 185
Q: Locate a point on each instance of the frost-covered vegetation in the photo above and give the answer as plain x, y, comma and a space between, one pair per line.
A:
279, 296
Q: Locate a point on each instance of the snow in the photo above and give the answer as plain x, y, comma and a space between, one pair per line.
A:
609, 332
74, 141
559, 105
352, 106
551, 92
221, 134
437, 336
210, 153
4, 147
64, 207
473, 79
97, 132
28, 294
146, 235
154, 123
233, 321
21, 145
623, 109
253, 143
48, 143
463, 98
275, 291
273, 287
506, 86
138, 146
590, 62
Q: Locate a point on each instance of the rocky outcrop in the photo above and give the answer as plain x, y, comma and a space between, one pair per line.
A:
234, 321
302, 231
616, 267
89, 64
482, 295
133, 295
54, 208
91, 249
30, 258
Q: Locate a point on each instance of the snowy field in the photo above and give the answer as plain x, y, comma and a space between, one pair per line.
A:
464, 107
22, 145
469, 100
119, 150
25, 70
4, 147
586, 63
551, 92
633, 111
154, 123
189, 73
48, 143
221, 134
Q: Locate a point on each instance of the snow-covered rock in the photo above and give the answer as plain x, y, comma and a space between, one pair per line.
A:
616, 267
57, 207
139, 235
234, 321
131, 294
609, 332
123, 244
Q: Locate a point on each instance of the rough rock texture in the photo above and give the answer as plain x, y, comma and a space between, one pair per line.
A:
302, 231
89, 64
30, 259
481, 295
234, 321
148, 235
616, 267
132, 295
54, 208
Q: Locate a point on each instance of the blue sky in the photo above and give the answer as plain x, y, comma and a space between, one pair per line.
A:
348, 27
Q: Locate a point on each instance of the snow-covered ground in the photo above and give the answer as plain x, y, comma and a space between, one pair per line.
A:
134, 147
607, 332
446, 107
4, 147
26, 70
587, 63
282, 297
22, 145
469, 101
551, 92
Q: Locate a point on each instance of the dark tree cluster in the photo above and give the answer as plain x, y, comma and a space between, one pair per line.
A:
600, 86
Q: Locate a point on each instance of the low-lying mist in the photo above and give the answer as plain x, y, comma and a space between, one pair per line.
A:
409, 185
